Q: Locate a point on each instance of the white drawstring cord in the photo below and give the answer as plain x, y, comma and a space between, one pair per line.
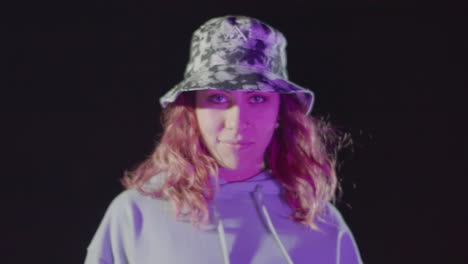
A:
222, 238
270, 225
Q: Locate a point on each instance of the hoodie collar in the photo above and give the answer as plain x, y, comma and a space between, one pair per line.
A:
263, 179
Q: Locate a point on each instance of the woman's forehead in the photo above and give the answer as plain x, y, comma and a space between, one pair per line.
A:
211, 90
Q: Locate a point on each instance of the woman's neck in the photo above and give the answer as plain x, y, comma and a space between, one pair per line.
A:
238, 175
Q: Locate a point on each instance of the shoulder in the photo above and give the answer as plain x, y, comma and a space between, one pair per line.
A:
333, 217
124, 200
124, 223
347, 246
132, 203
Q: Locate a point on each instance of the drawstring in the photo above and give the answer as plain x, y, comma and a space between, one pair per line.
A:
259, 201
271, 227
222, 237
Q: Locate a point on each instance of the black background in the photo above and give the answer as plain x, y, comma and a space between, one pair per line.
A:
80, 106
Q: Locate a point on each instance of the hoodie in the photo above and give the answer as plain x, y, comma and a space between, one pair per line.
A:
249, 223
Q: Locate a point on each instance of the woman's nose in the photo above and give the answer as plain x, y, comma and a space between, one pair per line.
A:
235, 118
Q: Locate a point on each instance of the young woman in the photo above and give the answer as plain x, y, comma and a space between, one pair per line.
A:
242, 173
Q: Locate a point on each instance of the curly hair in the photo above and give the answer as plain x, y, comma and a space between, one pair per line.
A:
301, 156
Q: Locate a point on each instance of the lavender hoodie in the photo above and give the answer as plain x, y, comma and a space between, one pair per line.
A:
249, 224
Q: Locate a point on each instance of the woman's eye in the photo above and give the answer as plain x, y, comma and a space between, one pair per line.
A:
258, 99
220, 99
217, 98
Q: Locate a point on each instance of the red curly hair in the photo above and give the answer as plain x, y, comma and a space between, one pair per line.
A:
301, 156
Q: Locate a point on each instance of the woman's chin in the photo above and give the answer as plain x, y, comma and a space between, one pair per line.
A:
234, 165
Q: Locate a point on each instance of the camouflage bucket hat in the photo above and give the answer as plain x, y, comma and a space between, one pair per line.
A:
238, 53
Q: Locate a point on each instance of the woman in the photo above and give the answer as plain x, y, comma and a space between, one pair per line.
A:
242, 174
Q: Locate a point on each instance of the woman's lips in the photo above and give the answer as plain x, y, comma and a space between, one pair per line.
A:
237, 145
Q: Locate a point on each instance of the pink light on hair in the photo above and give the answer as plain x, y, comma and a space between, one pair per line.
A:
301, 156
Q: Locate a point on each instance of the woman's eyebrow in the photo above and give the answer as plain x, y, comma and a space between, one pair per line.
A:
245, 91
229, 92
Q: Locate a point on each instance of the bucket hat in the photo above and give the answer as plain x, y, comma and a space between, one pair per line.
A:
238, 53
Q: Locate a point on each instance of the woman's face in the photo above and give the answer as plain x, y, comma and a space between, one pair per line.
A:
237, 126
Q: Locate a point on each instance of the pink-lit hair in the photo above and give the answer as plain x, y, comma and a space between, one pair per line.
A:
301, 156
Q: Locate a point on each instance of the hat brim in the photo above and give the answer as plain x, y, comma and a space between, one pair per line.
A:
239, 77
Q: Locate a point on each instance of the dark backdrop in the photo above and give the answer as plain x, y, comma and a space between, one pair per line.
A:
80, 106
